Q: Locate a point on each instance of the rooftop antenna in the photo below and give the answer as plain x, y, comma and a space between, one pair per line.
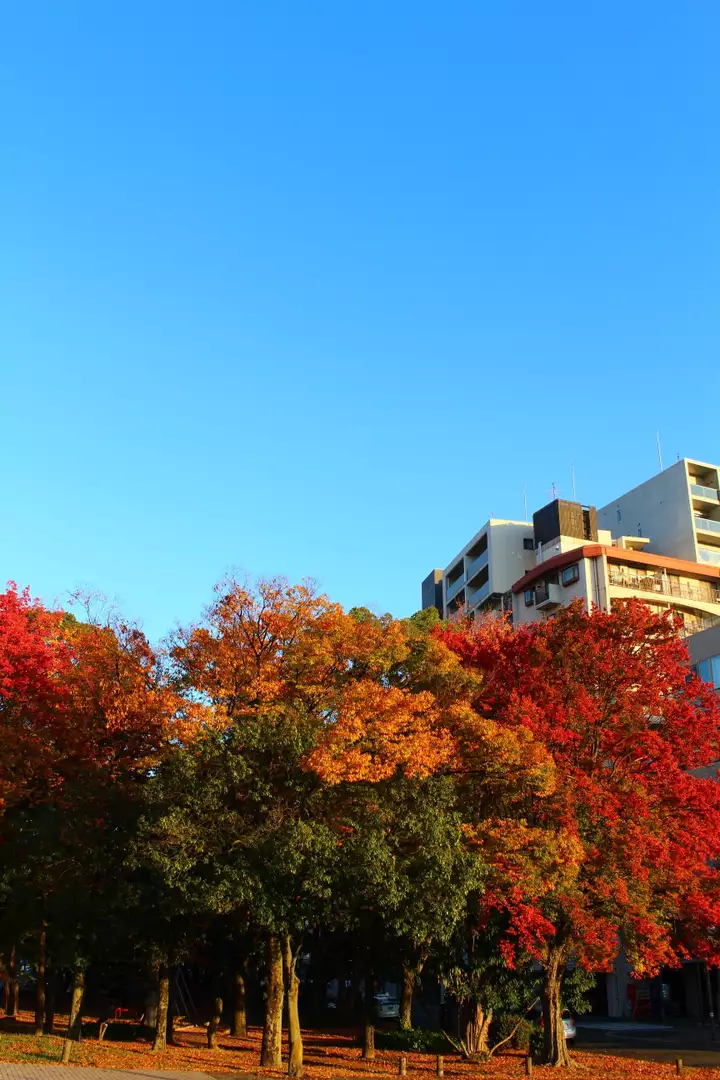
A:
554, 490
525, 502
572, 473
657, 439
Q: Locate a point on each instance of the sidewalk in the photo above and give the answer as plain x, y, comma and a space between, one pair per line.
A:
80, 1072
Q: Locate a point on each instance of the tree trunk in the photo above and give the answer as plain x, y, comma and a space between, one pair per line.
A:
6, 986
50, 991
292, 988
239, 1021
410, 978
555, 1050
40, 987
406, 997
476, 1029
76, 1003
368, 1052
14, 984
271, 1053
160, 1040
214, 1024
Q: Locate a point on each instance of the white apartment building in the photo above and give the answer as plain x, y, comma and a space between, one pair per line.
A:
660, 542
481, 576
678, 510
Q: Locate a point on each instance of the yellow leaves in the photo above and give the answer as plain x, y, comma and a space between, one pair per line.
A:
546, 860
508, 756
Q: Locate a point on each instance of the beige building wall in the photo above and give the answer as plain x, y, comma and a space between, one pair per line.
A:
660, 509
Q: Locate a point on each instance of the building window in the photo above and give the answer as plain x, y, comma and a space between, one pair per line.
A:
709, 670
529, 597
528, 543
571, 574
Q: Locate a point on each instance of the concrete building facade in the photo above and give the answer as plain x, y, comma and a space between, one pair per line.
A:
660, 542
678, 509
480, 577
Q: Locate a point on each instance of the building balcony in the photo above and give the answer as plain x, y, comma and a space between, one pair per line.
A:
709, 555
547, 597
454, 589
475, 565
479, 595
708, 525
694, 625
699, 491
665, 585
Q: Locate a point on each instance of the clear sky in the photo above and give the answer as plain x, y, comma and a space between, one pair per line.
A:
313, 288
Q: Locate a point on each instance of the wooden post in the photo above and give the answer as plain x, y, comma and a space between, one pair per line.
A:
440, 1071
678, 1066
528, 1065
67, 1047
402, 1066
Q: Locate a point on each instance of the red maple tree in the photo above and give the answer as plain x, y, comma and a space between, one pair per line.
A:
624, 850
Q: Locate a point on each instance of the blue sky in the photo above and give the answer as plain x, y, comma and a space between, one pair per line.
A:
313, 288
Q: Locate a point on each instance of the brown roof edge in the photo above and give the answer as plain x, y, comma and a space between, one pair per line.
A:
565, 558
615, 555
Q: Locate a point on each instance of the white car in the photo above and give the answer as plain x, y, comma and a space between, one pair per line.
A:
568, 1023
386, 1007
569, 1026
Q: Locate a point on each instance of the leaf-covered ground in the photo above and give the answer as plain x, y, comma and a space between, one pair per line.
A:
326, 1055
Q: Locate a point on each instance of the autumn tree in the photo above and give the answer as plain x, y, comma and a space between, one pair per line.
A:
91, 715
438, 745
241, 828
624, 847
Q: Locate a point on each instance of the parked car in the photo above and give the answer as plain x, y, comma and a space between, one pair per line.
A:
387, 1007
568, 1023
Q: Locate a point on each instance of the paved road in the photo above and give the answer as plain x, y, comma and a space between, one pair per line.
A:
650, 1042
80, 1072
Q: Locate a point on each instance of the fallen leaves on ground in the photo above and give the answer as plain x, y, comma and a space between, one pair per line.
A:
327, 1055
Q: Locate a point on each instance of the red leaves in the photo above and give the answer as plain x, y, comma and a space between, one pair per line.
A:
611, 698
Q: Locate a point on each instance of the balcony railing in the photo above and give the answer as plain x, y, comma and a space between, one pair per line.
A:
475, 565
707, 524
666, 586
456, 586
710, 555
705, 492
694, 626
479, 595
547, 596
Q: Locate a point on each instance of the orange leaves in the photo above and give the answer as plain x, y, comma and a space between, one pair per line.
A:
377, 730
259, 645
284, 651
